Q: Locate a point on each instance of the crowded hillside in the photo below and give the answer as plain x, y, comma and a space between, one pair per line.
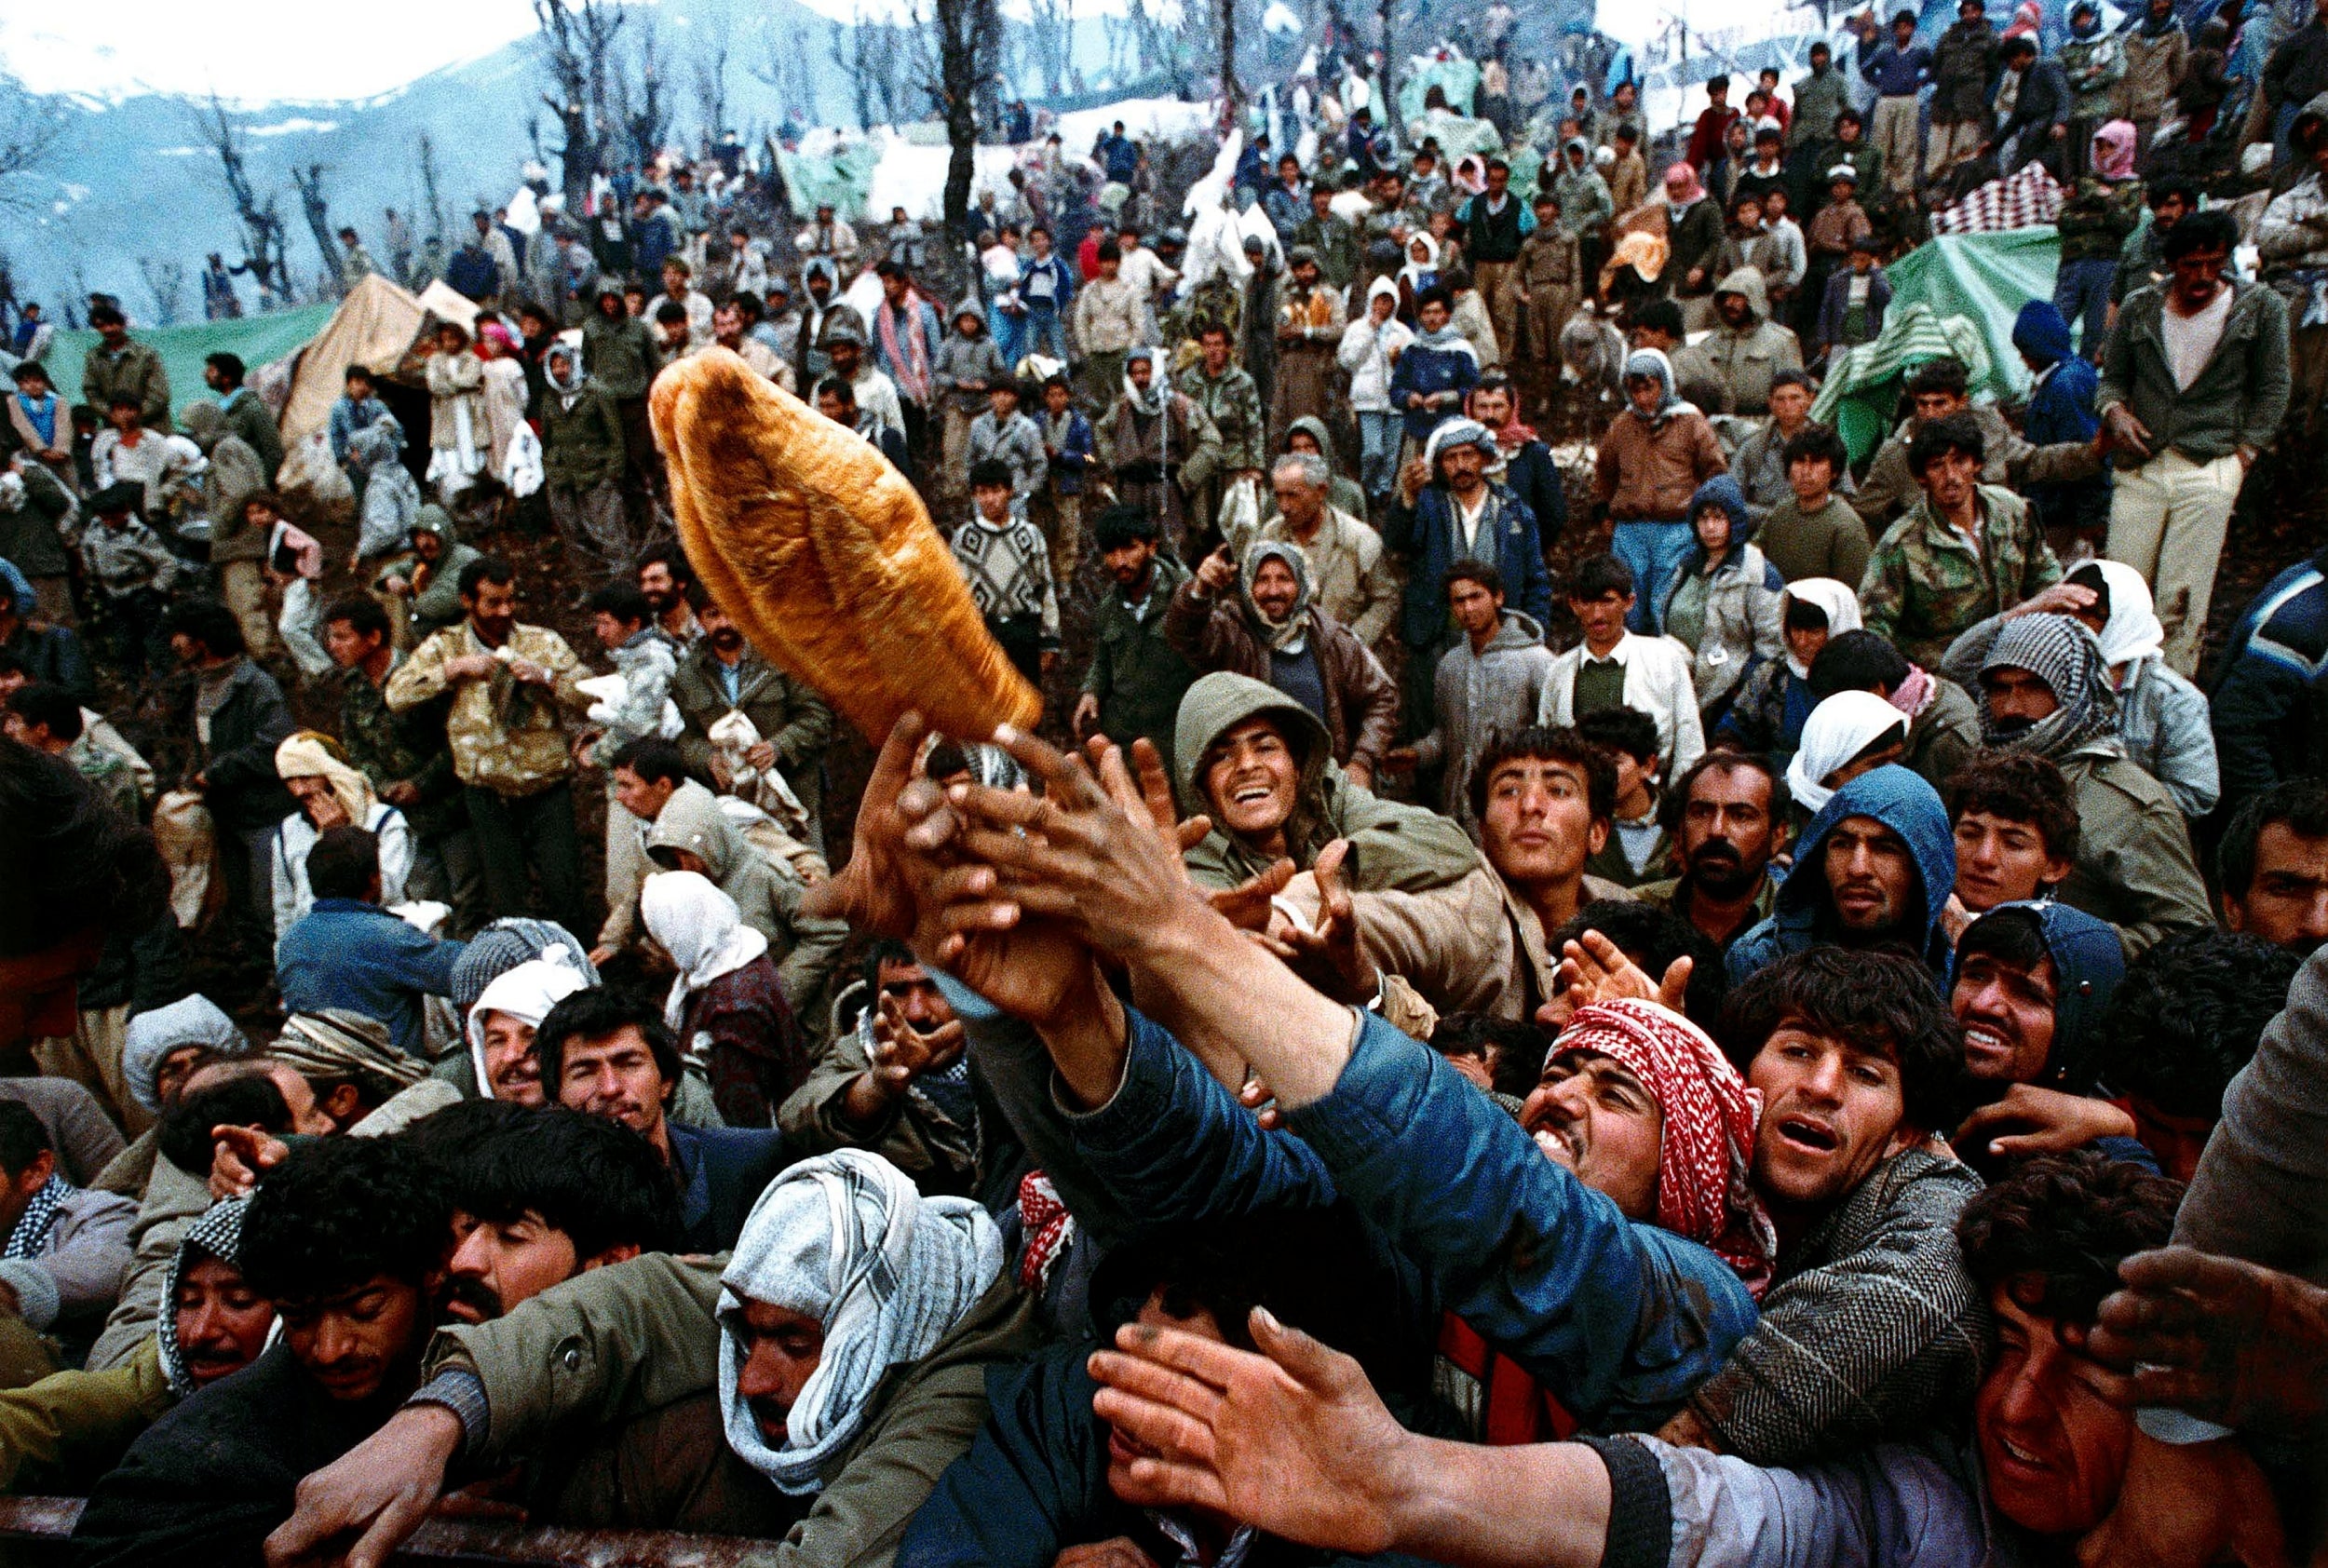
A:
1510, 815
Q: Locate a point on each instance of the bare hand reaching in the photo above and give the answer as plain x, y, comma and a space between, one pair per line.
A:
379, 1490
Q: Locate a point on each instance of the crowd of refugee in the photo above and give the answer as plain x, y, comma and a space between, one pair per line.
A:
1689, 1000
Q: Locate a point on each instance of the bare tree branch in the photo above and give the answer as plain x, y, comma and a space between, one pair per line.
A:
319, 214
165, 281
261, 222
31, 125
578, 36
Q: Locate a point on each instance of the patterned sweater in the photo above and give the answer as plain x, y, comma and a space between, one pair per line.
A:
1008, 572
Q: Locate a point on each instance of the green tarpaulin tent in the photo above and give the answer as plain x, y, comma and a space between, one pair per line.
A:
258, 340
1972, 287
845, 179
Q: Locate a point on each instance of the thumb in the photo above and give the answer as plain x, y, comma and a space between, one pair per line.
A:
1273, 881
1327, 868
1673, 990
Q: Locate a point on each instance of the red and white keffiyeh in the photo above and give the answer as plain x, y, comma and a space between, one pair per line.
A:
1707, 1149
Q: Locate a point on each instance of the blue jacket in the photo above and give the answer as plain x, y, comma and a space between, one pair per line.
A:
2266, 712
722, 1171
1122, 158
1430, 371
2062, 407
1804, 916
1531, 474
471, 272
1072, 460
1035, 1481
1894, 72
346, 954
1427, 535
1619, 1320
1062, 279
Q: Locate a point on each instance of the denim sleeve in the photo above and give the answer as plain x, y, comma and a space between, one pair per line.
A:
1619, 1320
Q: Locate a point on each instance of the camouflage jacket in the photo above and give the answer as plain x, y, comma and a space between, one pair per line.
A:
1925, 585
506, 735
407, 747
1233, 403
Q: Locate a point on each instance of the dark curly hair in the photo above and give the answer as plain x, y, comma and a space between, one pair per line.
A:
1882, 1002
343, 1211
1512, 1048
1549, 744
1958, 432
74, 860
2019, 787
1653, 937
2188, 1015
593, 1015
590, 1177
2054, 1231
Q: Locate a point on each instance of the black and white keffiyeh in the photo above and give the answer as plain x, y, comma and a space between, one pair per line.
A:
2064, 654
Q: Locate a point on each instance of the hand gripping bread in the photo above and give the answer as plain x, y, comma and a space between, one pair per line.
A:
824, 556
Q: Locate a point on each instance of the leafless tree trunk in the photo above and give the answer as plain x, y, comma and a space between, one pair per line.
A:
648, 121
578, 36
432, 194
30, 127
167, 282
1232, 90
262, 224
1050, 32
1386, 25
319, 213
854, 49
967, 34
715, 40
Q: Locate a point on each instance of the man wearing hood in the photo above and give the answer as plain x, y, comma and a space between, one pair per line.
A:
1657, 450
1874, 869
809, 1387
1586, 202
819, 314
2061, 410
1490, 682
1368, 353
2046, 690
62, 1433
2093, 61
966, 367
728, 1001
431, 579
1273, 631
2195, 379
2103, 208
1745, 349
582, 466
1723, 600
1353, 577
619, 349
1160, 444
2030, 986
1967, 548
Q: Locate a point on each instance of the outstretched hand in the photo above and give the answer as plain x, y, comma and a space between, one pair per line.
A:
2227, 1341
378, 1492
1331, 957
874, 892
1294, 1439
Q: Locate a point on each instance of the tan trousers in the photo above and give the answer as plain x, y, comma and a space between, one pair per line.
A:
243, 586
1950, 146
1894, 132
91, 1057
2167, 519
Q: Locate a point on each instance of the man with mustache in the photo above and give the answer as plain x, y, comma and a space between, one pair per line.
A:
1728, 819
719, 674
1873, 871
2045, 691
544, 1195
347, 1237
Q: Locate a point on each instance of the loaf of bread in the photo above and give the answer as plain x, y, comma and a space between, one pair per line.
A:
824, 556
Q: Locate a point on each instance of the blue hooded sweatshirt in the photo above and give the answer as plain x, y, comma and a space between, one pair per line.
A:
1803, 915
1720, 491
2061, 406
2089, 961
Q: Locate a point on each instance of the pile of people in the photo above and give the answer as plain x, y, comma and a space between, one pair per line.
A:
1688, 999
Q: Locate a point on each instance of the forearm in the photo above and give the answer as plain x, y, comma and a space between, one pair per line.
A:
1204, 982
1451, 1502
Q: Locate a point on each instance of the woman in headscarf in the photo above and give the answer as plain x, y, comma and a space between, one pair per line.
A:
1694, 230
458, 436
1420, 273
330, 794
1657, 450
1775, 699
504, 389
1849, 733
2162, 718
1722, 600
726, 1005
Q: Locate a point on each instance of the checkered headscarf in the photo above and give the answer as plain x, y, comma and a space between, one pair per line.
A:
1708, 1145
2064, 654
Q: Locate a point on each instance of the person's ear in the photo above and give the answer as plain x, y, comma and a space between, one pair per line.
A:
621, 1252
342, 1103
1596, 835
38, 1170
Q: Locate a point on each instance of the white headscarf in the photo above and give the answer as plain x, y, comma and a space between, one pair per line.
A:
526, 994
1840, 603
2132, 631
846, 1239
702, 929
1837, 730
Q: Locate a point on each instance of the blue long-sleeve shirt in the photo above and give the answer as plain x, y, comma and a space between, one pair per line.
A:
1619, 1320
358, 956
1898, 72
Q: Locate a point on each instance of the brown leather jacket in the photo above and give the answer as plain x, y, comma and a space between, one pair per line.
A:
1361, 699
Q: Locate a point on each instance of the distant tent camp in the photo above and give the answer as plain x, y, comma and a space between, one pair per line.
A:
374, 327
256, 340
